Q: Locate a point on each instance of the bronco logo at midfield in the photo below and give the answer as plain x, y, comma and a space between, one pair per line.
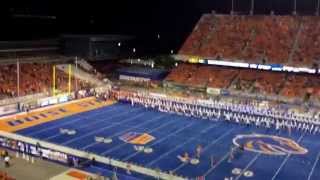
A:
268, 144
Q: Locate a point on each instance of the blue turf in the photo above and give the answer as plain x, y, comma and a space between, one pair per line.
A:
175, 135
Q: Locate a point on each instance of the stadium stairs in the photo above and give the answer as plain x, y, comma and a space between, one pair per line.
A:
295, 44
81, 74
85, 65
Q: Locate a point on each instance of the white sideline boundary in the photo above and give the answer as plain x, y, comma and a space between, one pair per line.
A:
87, 155
45, 108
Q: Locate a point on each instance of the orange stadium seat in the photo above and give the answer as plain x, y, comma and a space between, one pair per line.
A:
247, 80
34, 78
254, 38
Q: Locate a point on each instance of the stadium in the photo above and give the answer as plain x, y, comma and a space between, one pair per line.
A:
238, 99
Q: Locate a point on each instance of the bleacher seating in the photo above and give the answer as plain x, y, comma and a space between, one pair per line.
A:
288, 40
5, 176
198, 75
269, 82
221, 77
259, 39
308, 51
247, 80
8, 79
34, 78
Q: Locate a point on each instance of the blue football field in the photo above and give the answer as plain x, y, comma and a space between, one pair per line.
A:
174, 135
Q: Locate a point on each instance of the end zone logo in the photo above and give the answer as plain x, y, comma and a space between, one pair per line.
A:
137, 138
268, 144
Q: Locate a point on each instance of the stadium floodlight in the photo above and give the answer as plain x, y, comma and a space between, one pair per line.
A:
252, 7
294, 7
317, 8
76, 83
53, 80
232, 7
18, 77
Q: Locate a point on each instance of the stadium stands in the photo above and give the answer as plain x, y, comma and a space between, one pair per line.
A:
308, 42
34, 78
8, 80
269, 82
221, 77
288, 40
5, 176
246, 80
197, 75
259, 39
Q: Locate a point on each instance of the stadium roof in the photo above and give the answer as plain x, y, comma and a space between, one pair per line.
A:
28, 46
102, 37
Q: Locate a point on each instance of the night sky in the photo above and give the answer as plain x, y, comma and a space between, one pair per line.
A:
172, 19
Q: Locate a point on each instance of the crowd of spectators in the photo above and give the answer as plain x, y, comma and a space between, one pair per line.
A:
34, 78
308, 50
5, 176
247, 80
199, 75
269, 82
258, 39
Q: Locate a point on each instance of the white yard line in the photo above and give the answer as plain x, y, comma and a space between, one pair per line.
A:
285, 160
160, 140
101, 129
217, 164
175, 148
44, 108
88, 124
130, 128
69, 122
313, 167
249, 164
211, 144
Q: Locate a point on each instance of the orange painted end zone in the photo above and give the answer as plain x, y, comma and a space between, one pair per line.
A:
78, 175
24, 120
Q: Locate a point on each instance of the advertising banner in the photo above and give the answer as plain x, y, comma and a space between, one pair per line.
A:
34, 150
8, 109
213, 91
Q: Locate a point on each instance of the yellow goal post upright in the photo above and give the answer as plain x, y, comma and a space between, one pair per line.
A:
54, 83
54, 80
69, 78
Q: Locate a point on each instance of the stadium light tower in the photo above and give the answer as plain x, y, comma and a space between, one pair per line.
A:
133, 53
18, 77
232, 7
294, 7
76, 83
317, 9
252, 7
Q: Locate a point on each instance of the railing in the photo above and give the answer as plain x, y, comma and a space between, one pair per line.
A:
22, 98
264, 97
80, 74
87, 155
85, 65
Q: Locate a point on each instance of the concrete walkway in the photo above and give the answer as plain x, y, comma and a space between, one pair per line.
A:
39, 170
